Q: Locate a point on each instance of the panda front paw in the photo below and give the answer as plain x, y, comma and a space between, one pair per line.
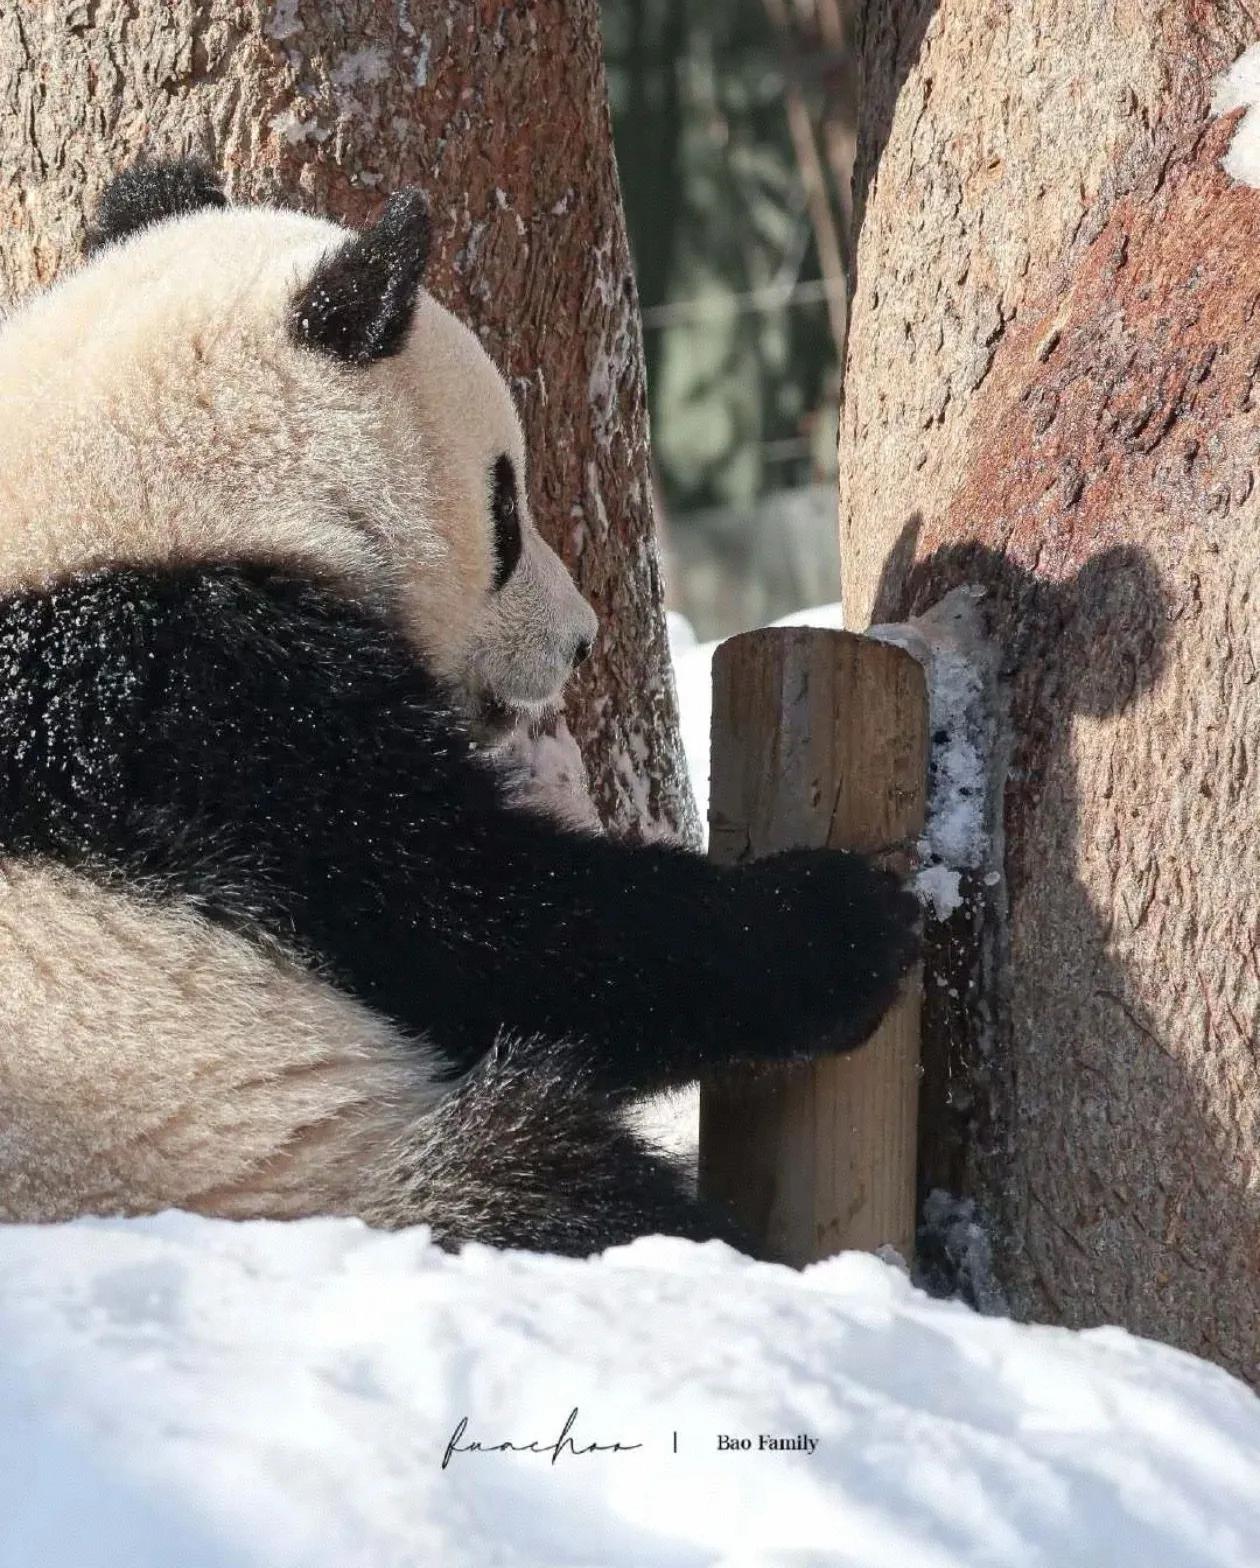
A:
837, 936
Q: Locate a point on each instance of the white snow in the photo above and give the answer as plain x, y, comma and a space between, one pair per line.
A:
940, 888
830, 617
358, 67
420, 71
1239, 88
682, 634
291, 128
213, 1395
284, 21
955, 1255
948, 641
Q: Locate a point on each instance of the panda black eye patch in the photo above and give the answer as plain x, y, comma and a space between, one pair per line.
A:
505, 509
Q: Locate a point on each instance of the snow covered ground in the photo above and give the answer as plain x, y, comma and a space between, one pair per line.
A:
187, 1393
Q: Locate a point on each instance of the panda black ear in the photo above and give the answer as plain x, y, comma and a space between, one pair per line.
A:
359, 304
146, 194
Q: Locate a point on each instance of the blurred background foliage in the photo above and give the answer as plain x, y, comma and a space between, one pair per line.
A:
734, 124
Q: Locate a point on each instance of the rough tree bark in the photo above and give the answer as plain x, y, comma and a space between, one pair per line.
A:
1052, 391
498, 111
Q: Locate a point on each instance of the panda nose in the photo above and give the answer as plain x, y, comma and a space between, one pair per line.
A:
581, 651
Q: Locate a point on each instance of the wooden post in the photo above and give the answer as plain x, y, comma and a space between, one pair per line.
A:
820, 739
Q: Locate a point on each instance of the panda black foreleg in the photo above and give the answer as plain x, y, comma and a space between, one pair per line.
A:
334, 767
261, 745
667, 966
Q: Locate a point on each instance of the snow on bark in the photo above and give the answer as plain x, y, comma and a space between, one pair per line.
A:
948, 641
1239, 88
954, 1254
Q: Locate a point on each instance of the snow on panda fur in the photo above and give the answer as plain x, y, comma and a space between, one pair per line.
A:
274, 939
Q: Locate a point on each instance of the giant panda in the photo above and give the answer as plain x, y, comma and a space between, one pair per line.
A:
276, 937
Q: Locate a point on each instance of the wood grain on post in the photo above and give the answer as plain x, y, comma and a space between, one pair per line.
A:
819, 739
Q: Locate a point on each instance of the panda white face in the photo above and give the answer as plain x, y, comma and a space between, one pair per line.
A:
249, 381
505, 623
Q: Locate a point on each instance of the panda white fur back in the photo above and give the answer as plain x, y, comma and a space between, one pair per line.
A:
273, 938
236, 1082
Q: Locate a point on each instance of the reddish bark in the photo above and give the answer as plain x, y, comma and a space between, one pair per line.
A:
1088, 455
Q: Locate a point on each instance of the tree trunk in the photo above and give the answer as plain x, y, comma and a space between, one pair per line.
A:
1051, 392
498, 111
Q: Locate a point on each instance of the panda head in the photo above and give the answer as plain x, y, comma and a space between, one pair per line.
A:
220, 382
